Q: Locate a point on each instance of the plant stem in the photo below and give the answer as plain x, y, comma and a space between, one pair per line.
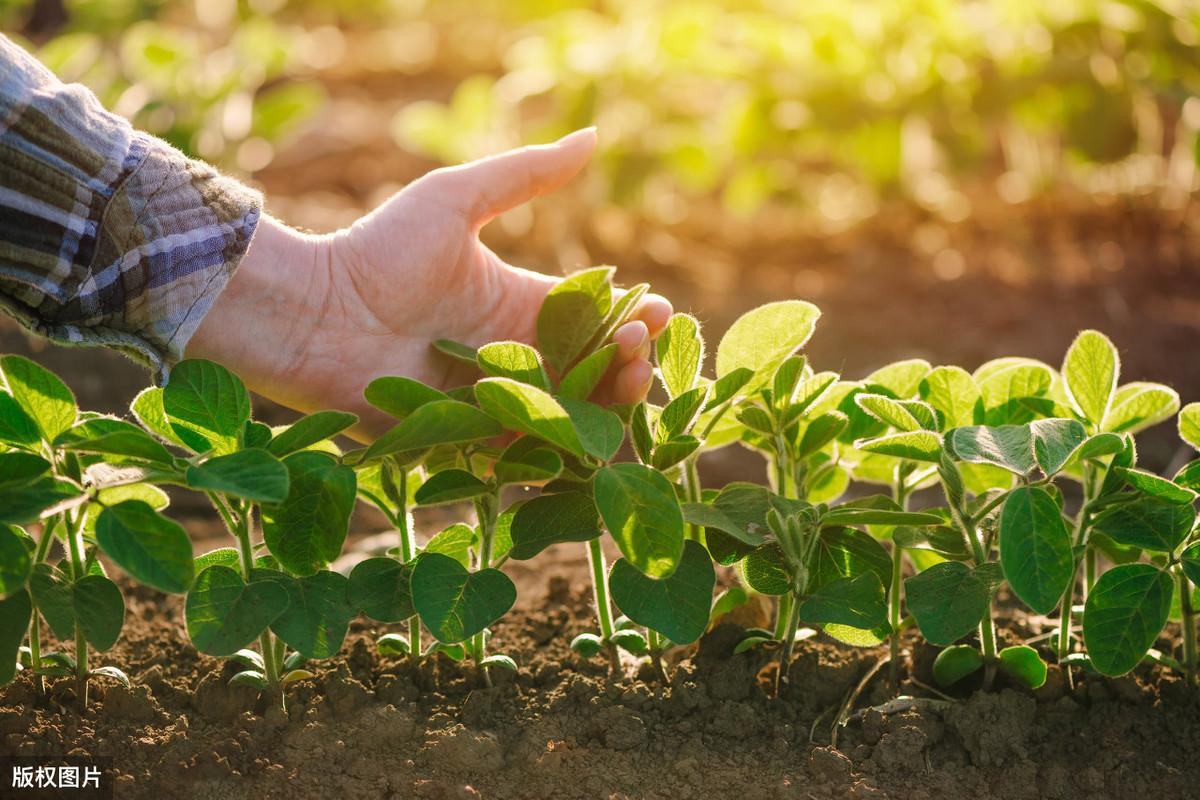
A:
895, 596
603, 608
654, 642
693, 493
408, 551
789, 642
485, 512
75, 547
1064, 631
987, 637
783, 614
35, 626
1089, 571
1188, 624
239, 522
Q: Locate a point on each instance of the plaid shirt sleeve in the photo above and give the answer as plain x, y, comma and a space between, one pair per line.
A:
108, 236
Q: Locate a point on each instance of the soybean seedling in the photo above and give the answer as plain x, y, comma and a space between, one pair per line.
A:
278, 591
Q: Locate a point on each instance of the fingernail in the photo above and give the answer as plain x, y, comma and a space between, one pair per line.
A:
583, 133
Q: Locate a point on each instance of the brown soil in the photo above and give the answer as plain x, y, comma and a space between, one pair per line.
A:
372, 727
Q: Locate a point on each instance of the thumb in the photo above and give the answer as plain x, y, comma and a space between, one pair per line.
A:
486, 188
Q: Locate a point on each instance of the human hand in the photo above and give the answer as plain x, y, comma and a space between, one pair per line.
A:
309, 321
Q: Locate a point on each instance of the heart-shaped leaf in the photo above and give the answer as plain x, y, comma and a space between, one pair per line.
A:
40, 394
552, 518
948, 599
677, 606
434, 423
1090, 372
513, 360
380, 588
147, 407
224, 613
309, 430
1024, 664
253, 474
761, 339
151, 548
765, 570
641, 511
680, 352
306, 531
456, 604
1124, 613
1007, 446
318, 614
1035, 548
572, 313
953, 393
206, 405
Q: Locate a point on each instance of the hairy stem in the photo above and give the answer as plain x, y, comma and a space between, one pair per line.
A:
654, 642
1081, 523
485, 512
895, 596
987, 637
692, 491
35, 622
789, 642
75, 548
783, 614
408, 551
603, 608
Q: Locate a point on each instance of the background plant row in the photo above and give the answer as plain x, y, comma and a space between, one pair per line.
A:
1022, 475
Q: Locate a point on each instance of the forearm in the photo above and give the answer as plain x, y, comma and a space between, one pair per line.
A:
107, 236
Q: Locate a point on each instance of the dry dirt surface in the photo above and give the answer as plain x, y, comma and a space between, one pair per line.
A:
563, 728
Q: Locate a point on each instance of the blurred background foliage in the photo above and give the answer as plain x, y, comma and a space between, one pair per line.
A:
832, 107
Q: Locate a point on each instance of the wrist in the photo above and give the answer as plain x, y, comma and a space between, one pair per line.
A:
260, 323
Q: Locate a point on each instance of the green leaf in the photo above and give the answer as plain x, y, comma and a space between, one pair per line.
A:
455, 541
1189, 424
1148, 523
572, 313
901, 378
15, 612
1150, 484
380, 588
499, 660
16, 426
392, 644
642, 513
93, 601
914, 446
16, 561
552, 518
955, 663
207, 405
1006, 384
529, 410
224, 613
147, 407
587, 645
154, 550
851, 515
1190, 561
846, 552
22, 504
115, 437
39, 392
514, 360
1188, 476
254, 475
857, 602
679, 415
21, 469
599, 430
306, 531
948, 599
450, 486
308, 431
1124, 613
765, 571
437, 422
1090, 371
527, 461
729, 386
1007, 446
584, 377
456, 604
1137, 406
761, 339
676, 606
680, 353
622, 311
1055, 441
400, 396
1035, 548
318, 614
673, 451
889, 412
1024, 664
456, 350
222, 556
953, 393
